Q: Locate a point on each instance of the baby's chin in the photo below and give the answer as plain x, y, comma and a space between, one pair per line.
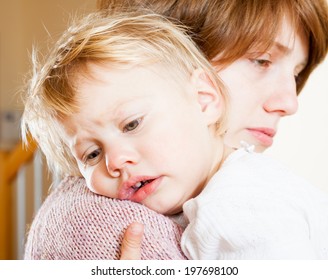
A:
162, 207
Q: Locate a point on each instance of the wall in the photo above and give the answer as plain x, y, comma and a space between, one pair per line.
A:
302, 140
13, 54
26, 23
23, 23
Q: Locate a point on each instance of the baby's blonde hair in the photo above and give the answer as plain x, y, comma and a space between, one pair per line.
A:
120, 40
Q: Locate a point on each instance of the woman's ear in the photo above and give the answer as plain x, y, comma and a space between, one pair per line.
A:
208, 95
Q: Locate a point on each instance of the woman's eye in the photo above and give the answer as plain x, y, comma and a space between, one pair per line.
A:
132, 125
261, 62
260, 59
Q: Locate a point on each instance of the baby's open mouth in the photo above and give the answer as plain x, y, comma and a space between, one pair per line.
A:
141, 184
138, 188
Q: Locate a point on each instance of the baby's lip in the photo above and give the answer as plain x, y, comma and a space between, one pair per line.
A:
132, 185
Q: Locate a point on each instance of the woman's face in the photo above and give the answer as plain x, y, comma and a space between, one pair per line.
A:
262, 88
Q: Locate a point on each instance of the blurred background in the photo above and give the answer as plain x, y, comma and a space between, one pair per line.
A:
24, 180
302, 141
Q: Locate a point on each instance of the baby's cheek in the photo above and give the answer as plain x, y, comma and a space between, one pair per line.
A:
90, 179
99, 183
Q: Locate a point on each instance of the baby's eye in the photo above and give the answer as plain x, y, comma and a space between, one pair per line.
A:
132, 125
92, 158
93, 155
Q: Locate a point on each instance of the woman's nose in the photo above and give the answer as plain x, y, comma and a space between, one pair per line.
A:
283, 97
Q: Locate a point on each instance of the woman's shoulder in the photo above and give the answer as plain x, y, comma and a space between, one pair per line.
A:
253, 180
74, 223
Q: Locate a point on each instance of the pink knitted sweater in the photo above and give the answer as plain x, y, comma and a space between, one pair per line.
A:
74, 223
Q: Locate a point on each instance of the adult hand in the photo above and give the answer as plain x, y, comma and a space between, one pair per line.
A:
131, 245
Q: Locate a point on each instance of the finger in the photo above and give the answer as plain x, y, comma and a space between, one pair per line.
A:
131, 245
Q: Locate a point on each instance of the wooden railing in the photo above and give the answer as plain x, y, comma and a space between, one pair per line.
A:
10, 163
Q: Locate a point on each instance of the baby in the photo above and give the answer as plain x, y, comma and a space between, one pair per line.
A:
129, 103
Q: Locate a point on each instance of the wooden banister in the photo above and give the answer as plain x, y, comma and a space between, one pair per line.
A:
19, 156
10, 162
4, 206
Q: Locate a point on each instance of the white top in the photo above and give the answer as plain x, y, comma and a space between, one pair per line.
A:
254, 208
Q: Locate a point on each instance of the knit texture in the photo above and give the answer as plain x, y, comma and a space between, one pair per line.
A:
74, 223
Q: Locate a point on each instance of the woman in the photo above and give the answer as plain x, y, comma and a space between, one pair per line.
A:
264, 51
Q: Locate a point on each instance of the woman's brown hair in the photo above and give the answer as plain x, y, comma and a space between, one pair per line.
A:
229, 28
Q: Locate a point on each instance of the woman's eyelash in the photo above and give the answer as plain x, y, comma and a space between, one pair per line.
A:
132, 125
261, 62
260, 59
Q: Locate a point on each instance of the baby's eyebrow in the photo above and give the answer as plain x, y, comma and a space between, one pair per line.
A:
78, 149
76, 139
74, 144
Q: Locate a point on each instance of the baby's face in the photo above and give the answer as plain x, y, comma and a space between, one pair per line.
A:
141, 136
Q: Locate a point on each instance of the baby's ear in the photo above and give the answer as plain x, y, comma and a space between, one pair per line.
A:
209, 96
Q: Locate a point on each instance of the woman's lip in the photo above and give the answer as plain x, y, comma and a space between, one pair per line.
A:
127, 192
263, 135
